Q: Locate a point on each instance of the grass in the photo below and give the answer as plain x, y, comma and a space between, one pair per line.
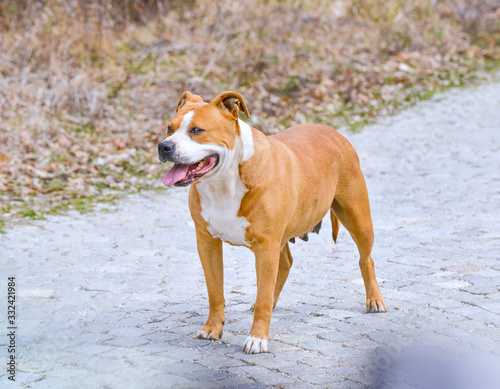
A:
85, 87
30, 213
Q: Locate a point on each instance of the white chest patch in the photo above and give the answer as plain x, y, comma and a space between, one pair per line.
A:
221, 196
220, 203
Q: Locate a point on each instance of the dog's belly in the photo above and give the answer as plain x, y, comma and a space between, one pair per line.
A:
220, 204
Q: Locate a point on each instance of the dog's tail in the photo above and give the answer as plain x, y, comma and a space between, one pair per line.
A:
335, 225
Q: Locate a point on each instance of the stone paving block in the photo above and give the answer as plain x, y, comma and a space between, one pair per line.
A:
179, 368
491, 306
159, 380
173, 328
336, 353
317, 360
26, 377
221, 362
128, 332
67, 374
484, 289
293, 338
261, 375
274, 363
127, 342
179, 353
54, 383
207, 375
445, 303
346, 326
279, 347
338, 314
366, 345
478, 314
129, 354
300, 385
377, 321
240, 383
221, 347
166, 337
309, 374
338, 336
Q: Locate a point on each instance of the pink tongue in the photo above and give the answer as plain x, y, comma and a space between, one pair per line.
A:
176, 174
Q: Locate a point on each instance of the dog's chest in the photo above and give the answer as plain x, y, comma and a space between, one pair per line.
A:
220, 203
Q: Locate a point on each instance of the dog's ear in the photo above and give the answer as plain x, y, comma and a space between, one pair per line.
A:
187, 97
231, 103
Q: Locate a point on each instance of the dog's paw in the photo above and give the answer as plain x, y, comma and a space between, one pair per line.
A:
255, 345
209, 333
376, 305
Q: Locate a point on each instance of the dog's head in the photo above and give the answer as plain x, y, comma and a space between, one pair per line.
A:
201, 137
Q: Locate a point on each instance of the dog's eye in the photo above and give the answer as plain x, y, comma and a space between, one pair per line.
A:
195, 131
169, 130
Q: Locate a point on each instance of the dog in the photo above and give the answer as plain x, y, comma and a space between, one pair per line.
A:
261, 192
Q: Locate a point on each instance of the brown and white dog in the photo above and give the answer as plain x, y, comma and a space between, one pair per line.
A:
260, 192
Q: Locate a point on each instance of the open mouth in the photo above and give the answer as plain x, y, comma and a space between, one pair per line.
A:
183, 175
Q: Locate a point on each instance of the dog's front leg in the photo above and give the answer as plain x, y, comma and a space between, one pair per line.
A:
266, 264
210, 251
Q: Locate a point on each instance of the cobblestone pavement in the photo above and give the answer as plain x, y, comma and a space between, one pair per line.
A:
113, 299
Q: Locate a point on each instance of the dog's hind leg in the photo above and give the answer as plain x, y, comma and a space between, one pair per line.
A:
335, 225
352, 208
286, 261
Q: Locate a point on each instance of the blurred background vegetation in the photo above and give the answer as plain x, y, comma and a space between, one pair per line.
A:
85, 85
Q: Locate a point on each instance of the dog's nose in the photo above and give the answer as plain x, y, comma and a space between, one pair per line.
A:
166, 146
165, 150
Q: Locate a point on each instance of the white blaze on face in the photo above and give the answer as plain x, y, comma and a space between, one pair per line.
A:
187, 150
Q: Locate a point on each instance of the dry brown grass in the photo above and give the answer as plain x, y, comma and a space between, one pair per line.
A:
84, 85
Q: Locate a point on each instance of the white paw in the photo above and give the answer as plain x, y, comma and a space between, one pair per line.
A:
203, 335
255, 345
